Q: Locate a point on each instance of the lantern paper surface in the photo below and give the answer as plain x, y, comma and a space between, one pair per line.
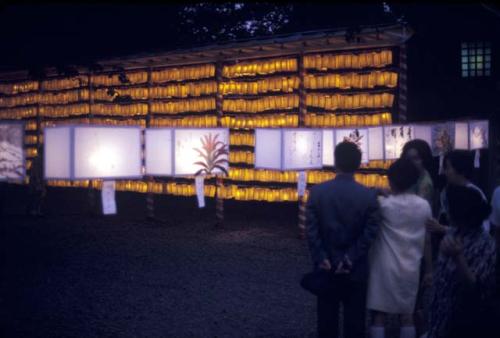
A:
395, 138
302, 149
461, 133
12, 158
357, 136
376, 143
201, 151
159, 152
268, 144
442, 138
478, 134
57, 143
328, 147
107, 152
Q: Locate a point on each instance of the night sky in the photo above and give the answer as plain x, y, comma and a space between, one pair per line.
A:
49, 35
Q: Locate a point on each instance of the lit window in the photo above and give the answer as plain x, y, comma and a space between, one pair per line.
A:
476, 59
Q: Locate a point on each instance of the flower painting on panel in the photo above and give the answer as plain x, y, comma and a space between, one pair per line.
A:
213, 155
11, 151
441, 139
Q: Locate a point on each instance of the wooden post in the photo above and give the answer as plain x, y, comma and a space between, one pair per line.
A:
37, 182
150, 202
302, 117
219, 183
403, 80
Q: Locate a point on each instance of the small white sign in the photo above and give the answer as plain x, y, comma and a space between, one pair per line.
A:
302, 183
200, 190
108, 198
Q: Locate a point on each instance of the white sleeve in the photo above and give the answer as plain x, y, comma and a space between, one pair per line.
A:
495, 207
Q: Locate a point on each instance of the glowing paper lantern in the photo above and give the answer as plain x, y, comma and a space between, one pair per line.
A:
395, 137
375, 143
159, 152
58, 147
107, 152
201, 151
288, 149
12, 156
357, 136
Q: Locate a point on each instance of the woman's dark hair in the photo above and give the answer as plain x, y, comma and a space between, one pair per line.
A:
424, 151
461, 161
347, 157
466, 206
403, 174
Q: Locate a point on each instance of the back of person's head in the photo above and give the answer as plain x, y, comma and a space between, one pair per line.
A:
402, 175
347, 157
424, 152
466, 206
461, 161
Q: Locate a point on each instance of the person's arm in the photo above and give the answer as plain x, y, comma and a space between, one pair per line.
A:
314, 239
372, 222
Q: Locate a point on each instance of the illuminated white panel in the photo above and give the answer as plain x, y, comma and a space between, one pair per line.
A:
159, 152
395, 137
107, 152
57, 152
328, 147
461, 135
375, 143
201, 151
302, 149
268, 144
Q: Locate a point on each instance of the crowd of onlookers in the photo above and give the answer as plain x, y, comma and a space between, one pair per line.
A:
425, 254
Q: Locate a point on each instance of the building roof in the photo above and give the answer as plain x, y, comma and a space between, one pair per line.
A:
339, 39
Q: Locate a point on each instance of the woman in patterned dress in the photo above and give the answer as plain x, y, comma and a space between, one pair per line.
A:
465, 272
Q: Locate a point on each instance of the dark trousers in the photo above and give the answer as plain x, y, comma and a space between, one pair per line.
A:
352, 295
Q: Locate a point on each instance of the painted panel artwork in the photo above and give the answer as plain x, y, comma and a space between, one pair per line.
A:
201, 151
357, 136
11, 151
302, 149
442, 139
478, 134
395, 137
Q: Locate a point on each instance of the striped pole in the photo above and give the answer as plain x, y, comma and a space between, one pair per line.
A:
90, 189
150, 201
302, 117
403, 81
219, 202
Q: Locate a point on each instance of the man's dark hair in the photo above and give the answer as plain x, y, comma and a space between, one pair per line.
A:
466, 206
461, 161
403, 174
347, 157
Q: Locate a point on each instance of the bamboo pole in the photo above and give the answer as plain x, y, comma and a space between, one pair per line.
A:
302, 117
219, 202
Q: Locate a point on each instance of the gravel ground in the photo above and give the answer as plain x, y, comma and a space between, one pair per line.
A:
74, 276
69, 274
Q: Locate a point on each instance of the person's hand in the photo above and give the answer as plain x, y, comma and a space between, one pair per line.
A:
433, 226
427, 281
344, 266
451, 246
325, 265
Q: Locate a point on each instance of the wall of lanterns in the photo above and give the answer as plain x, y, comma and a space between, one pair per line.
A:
341, 90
